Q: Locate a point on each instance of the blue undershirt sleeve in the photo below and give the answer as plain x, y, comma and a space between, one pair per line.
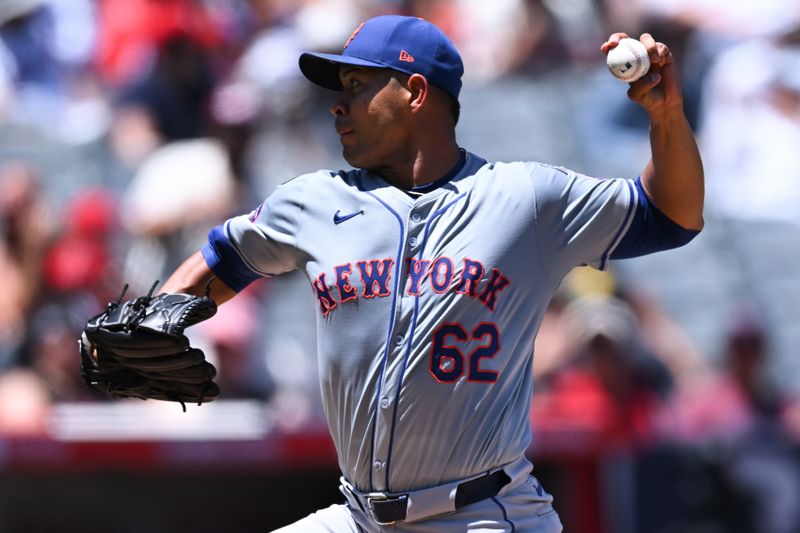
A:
651, 230
226, 263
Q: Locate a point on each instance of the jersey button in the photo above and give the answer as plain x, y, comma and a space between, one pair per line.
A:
378, 465
399, 340
412, 241
385, 403
415, 218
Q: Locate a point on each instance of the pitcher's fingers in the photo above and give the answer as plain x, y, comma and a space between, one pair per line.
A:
613, 40
644, 85
652, 47
664, 55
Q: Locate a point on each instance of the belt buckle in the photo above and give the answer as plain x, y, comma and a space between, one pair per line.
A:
379, 497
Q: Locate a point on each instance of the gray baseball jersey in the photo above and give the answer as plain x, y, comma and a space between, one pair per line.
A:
428, 307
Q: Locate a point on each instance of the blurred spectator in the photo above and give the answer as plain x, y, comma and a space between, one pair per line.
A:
50, 348
80, 258
24, 231
78, 277
264, 88
576, 28
541, 46
740, 397
270, 119
552, 341
736, 19
45, 48
75, 32
743, 415
265, 77
180, 190
497, 38
158, 54
611, 385
172, 98
751, 131
131, 31
659, 332
323, 24
234, 338
667, 340
27, 34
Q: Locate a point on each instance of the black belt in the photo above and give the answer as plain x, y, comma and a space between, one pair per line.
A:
390, 509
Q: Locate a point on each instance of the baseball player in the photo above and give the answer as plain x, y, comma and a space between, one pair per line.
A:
431, 268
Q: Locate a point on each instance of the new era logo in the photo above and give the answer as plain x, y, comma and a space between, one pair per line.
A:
405, 56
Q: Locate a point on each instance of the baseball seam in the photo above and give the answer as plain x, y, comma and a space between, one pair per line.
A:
633, 74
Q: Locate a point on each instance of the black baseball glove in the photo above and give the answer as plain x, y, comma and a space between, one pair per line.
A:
137, 349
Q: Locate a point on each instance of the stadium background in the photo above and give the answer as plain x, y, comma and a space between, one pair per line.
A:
666, 392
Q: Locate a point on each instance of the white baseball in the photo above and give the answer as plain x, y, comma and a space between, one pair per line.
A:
628, 61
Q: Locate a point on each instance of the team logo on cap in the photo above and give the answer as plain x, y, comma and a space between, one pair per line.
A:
352, 35
405, 56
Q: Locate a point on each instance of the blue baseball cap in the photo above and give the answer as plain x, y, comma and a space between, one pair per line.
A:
407, 44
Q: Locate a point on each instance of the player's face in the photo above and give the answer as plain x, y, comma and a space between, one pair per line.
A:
372, 117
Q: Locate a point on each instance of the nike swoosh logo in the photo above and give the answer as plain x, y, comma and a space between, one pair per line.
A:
339, 219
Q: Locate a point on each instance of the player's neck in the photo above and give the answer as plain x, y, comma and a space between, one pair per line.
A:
422, 166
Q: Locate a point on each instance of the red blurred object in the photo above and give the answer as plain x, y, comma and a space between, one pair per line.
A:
75, 262
579, 423
578, 416
131, 30
93, 212
80, 257
273, 453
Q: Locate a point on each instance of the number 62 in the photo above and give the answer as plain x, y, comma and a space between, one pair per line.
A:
447, 361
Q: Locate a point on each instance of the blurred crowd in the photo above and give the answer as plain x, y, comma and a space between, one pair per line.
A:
129, 128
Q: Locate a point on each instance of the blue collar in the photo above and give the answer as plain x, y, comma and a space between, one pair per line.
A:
432, 186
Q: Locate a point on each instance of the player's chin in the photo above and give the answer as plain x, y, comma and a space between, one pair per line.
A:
355, 157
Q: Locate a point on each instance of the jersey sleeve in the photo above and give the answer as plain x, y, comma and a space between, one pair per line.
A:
651, 230
263, 243
579, 219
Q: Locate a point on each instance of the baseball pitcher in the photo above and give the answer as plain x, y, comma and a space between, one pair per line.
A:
431, 268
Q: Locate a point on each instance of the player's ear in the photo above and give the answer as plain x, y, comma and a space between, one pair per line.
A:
419, 90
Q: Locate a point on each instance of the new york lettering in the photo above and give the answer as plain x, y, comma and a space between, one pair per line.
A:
372, 279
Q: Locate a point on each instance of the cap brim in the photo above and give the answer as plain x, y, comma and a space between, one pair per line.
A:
323, 69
